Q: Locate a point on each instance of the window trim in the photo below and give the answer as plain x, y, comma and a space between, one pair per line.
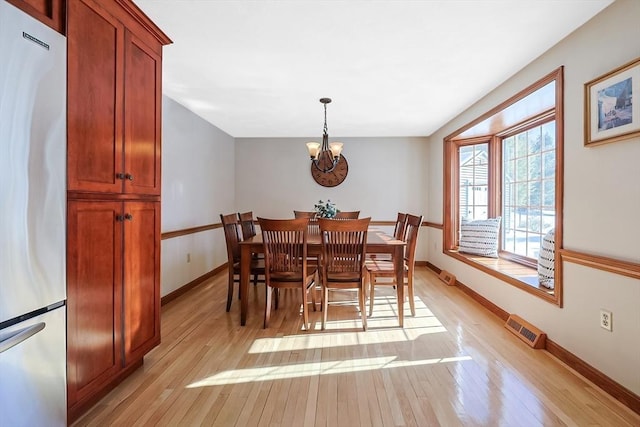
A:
451, 177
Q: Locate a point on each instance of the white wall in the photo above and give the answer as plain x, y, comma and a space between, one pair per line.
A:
197, 186
386, 175
601, 205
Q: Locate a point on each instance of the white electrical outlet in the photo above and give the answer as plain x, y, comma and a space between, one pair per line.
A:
605, 320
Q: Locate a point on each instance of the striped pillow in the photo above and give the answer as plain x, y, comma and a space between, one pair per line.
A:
546, 259
480, 237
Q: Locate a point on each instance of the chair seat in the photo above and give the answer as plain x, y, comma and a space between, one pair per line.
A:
385, 269
290, 276
344, 277
256, 267
382, 267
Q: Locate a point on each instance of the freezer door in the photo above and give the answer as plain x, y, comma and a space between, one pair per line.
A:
32, 164
33, 372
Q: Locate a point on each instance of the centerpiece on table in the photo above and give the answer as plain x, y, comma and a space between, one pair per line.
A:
325, 209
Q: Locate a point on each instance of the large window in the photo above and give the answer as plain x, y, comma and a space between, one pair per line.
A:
528, 190
508, 163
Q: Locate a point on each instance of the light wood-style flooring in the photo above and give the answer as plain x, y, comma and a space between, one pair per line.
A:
454, 364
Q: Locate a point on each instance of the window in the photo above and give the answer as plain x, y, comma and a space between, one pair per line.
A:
528, 190
508, 163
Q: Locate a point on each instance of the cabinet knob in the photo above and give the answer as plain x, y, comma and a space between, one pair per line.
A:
128, 217
120, 176
119, 218
129, 177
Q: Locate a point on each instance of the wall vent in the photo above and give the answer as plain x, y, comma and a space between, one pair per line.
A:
524, 330
447, 278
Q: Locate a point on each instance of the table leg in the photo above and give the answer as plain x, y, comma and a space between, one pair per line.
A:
398, 259
245, 264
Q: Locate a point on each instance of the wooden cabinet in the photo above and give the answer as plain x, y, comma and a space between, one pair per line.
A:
113, 178
94, 297
113, 293
114, 80
141, 290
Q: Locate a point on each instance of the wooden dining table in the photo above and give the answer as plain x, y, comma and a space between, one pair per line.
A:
378, 242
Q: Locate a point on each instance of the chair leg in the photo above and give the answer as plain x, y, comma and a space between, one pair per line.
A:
267, 306
410, 293
325, 299
255, 280
230, 290
305, 308
313, 290
361, 297
372, 293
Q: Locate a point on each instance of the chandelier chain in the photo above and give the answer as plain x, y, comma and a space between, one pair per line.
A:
325, 119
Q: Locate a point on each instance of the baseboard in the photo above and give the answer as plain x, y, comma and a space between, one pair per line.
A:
617, 391
192, 284
78, 409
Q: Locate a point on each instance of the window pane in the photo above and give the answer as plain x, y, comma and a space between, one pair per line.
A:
474, 181
534, 193
549, 136
521, 169
535, 166
521, 145
534, 138
528, 185
549, 164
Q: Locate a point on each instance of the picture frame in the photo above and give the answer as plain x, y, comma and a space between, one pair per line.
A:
609, 113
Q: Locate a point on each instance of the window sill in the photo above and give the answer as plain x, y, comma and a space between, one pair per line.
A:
518, 275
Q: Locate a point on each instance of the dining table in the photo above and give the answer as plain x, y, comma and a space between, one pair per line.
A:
378, 242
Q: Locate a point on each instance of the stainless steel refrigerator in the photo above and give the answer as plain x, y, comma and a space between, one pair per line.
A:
32, 221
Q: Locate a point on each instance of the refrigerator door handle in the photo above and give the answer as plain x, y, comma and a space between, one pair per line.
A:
20, 336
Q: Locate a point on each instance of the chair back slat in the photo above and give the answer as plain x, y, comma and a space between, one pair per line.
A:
401, 223
304, 214
347, 215
231, 237
343, 247
411, 232
247, 224
285, 247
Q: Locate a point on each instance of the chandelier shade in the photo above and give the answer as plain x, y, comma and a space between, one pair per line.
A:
325, 156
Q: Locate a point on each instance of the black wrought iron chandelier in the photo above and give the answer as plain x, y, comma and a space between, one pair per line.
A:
325, 156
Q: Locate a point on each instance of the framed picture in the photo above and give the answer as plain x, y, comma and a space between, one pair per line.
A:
609, 113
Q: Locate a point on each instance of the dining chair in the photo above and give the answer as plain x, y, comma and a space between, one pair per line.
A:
285, 250
247, 224
379, 268
313, 220
304, 214
398, 234
347, 215
400, 227
232, 239
344, 245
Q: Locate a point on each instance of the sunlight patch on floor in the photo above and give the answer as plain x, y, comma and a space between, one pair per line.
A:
382, 328
270, 373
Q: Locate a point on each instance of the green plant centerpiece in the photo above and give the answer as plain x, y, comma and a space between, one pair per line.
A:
325, 209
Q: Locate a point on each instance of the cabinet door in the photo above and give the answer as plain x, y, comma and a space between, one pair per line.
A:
141, 279
94, 296
142, 109
95, 64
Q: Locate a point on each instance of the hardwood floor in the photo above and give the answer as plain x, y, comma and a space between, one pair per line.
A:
454, 364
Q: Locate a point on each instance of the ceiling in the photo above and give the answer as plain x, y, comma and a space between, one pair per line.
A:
392, 68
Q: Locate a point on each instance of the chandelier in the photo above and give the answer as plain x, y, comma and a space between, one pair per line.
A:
325, 157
